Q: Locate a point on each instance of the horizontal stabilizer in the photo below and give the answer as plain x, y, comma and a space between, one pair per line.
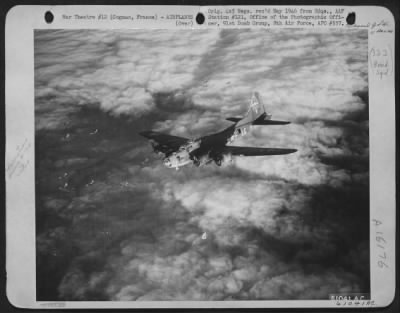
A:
270, 122
233, 119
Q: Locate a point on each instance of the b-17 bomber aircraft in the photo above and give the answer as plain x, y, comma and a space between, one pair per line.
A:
179, 151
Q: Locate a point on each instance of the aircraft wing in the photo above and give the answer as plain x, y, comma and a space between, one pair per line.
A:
254, 151
166, 143
270, 122
259, 121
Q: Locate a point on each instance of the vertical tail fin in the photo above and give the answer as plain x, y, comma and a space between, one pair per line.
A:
255, 115
255, 110
256, 106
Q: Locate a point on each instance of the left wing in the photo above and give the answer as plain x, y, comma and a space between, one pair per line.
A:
165, 143
253, 151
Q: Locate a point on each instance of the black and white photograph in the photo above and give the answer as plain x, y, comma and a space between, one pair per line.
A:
201, 165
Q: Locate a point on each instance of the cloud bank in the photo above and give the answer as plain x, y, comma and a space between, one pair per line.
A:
114, 224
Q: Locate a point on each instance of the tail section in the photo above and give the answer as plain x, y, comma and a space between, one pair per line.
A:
256, 108
255, 111
255, 115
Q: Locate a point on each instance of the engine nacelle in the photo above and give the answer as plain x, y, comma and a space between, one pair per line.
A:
190, 146
156, 147
177, 159
205, 159
218, 159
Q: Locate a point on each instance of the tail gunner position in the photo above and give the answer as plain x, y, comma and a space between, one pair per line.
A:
181, 151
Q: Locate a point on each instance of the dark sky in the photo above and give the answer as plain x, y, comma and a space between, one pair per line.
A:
114, 224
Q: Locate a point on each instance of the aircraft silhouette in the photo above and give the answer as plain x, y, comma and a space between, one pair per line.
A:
181, 151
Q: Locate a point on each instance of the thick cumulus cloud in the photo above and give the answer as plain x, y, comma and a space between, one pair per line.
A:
114, 224
111, 68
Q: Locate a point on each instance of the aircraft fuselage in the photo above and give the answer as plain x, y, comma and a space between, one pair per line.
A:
207, 150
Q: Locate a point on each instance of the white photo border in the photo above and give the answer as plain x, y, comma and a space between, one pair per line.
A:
21, 22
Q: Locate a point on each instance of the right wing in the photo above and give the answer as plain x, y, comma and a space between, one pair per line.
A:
165, 143
270, 122
259, 121
254, 151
